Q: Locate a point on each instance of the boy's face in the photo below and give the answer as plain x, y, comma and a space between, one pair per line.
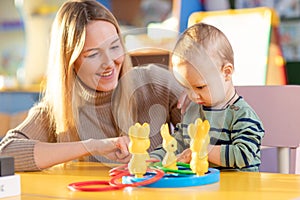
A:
206, 86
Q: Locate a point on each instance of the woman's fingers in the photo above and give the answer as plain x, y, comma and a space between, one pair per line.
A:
122, 145
122, 152
121, 157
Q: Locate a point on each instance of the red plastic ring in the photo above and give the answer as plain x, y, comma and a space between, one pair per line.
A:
118, 173
158, 175
117, 170
82, 186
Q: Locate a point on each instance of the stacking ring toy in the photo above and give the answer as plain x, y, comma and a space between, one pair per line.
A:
173, 180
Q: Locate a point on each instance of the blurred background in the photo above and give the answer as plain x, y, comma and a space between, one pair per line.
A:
25, 26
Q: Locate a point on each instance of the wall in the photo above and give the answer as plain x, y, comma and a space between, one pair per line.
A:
38, 16
12, 43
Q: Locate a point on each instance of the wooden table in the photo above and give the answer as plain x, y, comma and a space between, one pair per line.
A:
52, 184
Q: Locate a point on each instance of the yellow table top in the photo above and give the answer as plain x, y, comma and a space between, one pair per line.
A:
52, 184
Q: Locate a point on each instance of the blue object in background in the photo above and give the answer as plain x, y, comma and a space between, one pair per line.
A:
187, 8
106, 3
14, 102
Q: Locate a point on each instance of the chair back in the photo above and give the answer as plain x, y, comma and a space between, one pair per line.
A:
279, 109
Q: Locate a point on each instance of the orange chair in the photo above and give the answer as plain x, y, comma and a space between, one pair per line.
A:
279, 109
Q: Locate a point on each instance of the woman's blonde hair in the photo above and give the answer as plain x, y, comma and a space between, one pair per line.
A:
66, 43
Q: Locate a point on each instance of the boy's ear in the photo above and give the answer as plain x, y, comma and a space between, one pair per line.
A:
227, 70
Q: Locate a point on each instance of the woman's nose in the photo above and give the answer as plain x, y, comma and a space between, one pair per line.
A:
106, 60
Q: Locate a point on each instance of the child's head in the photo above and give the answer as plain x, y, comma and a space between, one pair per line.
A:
203, 63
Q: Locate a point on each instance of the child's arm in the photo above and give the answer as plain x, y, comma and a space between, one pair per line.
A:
214, 155
243, 151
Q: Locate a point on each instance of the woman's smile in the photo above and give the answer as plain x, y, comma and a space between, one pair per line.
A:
106, 74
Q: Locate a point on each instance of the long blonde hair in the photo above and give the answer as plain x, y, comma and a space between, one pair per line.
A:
66, 43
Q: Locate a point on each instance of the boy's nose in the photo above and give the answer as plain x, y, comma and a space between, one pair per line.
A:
194, 95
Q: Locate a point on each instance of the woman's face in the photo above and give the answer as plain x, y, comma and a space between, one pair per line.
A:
100, 61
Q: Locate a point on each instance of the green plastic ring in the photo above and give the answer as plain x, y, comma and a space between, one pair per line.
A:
158, 165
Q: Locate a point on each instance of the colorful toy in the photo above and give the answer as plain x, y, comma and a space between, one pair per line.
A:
199, 143
139, 143
165, 174
170, 145
180, 178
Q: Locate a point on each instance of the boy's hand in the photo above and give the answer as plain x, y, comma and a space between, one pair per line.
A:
185, 156
183, 102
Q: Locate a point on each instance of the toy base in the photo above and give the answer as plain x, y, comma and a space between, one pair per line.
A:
10, 186
177, 180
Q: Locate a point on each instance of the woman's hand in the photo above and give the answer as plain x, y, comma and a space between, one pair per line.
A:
115, 149
185, 156
122, 153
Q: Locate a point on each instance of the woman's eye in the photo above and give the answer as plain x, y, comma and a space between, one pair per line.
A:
115, 47
93, 55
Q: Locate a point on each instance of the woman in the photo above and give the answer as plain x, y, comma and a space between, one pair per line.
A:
92, 95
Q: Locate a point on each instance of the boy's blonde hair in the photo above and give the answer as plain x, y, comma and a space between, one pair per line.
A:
204, 37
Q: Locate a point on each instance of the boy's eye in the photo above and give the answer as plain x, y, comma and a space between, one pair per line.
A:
200, 87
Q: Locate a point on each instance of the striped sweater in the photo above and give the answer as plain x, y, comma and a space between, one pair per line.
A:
155, 91
237, 129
